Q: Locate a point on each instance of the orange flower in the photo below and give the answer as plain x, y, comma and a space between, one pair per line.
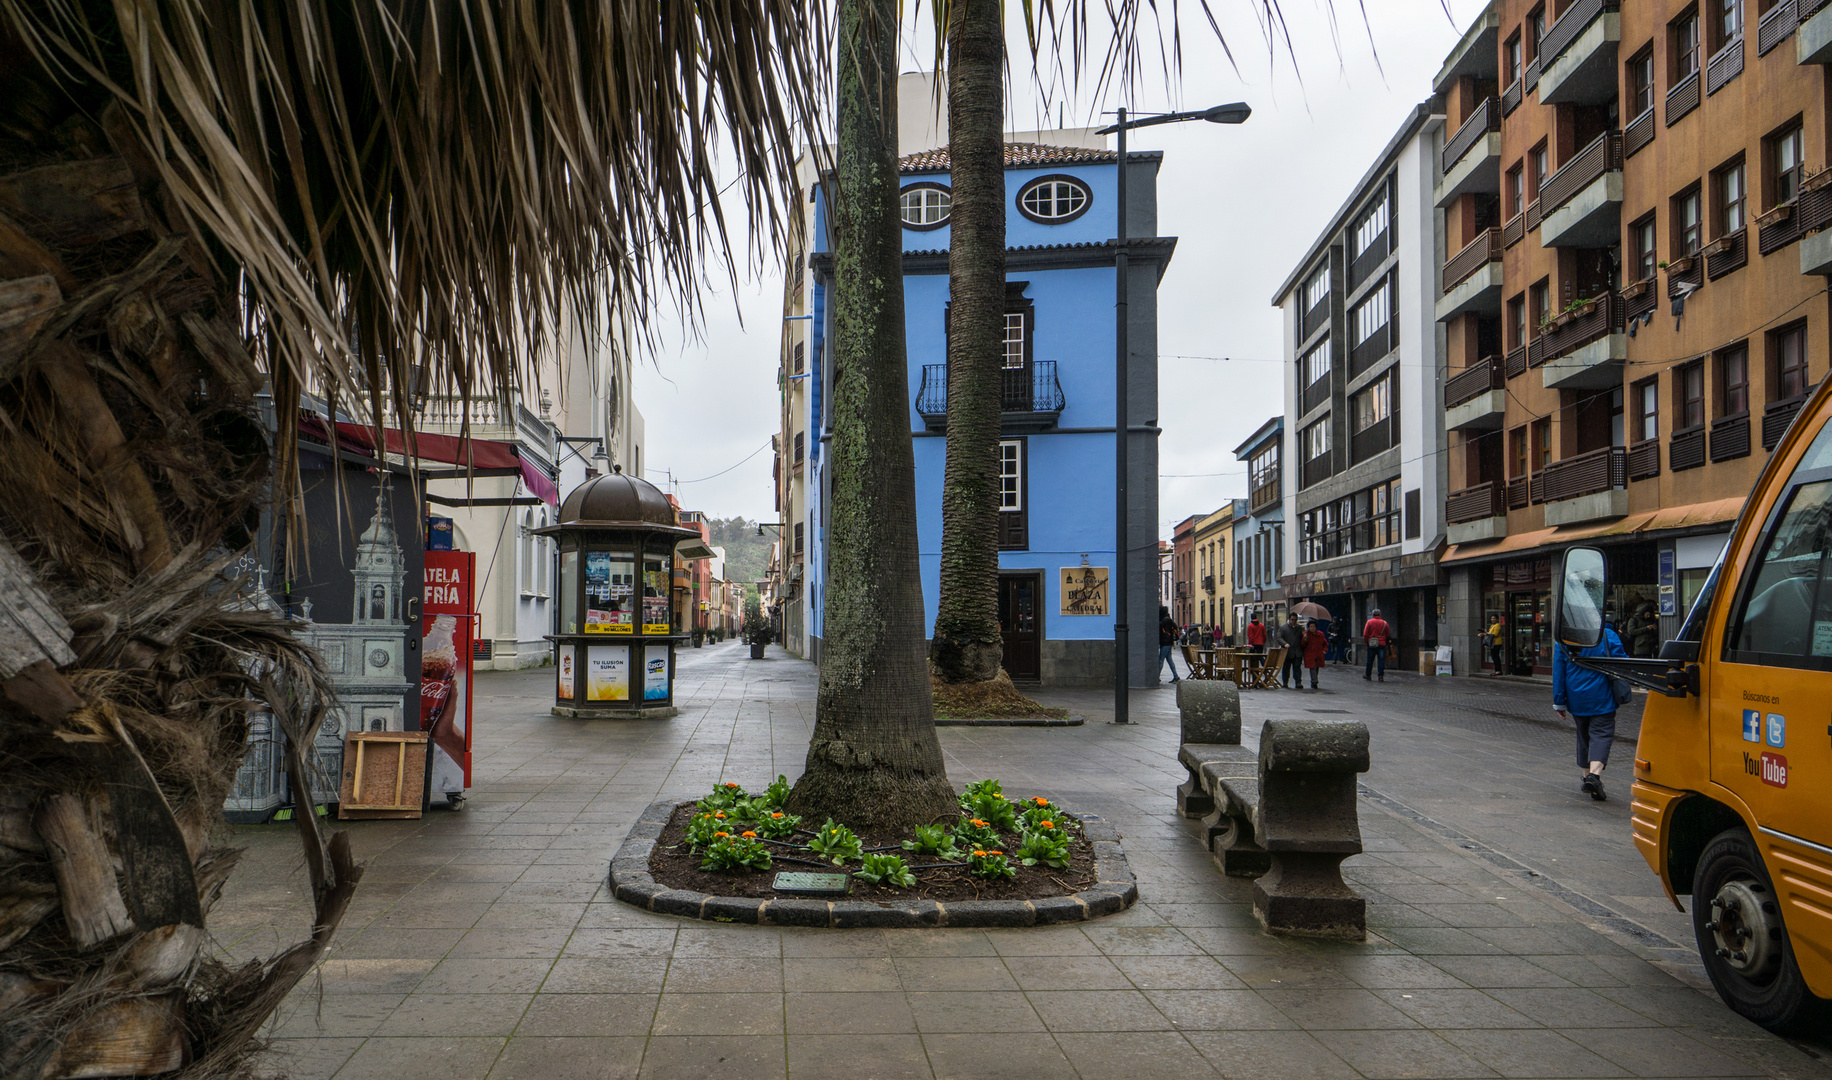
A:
1041, 801
748, 835
720, 814
1047, 824
995, 853
726, 835
733, 787
976, 822
777, 814
979, 854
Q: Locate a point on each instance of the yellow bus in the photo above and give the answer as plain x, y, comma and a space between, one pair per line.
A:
1732, 799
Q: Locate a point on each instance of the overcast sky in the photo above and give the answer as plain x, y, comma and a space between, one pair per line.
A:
1245, 203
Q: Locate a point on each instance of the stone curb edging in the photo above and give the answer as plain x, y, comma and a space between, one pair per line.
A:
1010, 721
1115, 890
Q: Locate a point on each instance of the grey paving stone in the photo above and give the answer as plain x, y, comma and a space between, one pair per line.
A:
1270, 1055
423, 1059
1402, 1055
880, 1056
718, 1014
1219, 1010
1532, 1054
1134, 1055
545, 1058
973, 1011
1017, 1057
568, 1015
728, 1057
857, 1012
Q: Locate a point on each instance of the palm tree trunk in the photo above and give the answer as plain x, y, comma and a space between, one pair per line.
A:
874, 761
967, 647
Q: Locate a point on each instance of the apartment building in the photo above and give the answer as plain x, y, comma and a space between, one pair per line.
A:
1213, 542
1259, 528
1364, 421
1632, 295
1183, 571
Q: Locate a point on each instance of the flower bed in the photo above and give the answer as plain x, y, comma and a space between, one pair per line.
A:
1004, 862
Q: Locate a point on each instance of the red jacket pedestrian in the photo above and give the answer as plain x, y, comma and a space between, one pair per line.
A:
1376, 633
1316, 647
1256, 633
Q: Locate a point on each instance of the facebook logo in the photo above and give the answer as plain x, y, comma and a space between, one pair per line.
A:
1752, 725
1777, 730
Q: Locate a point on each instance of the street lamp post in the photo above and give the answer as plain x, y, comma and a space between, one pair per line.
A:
1122, 420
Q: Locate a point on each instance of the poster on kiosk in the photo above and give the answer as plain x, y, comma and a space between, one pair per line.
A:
445, 669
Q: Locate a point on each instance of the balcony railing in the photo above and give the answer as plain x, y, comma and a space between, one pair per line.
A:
1604, 318
1483, 119
1587, 474
1484, 249
1183, 590
1368, 261
1638, 133
1725, 65
1686, 450
1510, 98
1733, 254
1264, 495
1208, 584
1533, 214
1639, 297
1035, 393
1567, 27
1520, 493
1644, 460
1682, 98
1777, 25
1730, 438
1778, 227
1475, 503
1474, 381
1514, 231
1530, 78
1516, 361
1604, 154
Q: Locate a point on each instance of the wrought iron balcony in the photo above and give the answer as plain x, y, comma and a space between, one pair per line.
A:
1030, 398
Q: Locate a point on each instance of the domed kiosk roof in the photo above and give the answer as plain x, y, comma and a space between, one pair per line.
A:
619, 501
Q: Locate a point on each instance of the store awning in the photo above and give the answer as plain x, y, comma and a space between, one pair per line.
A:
476, 456
1693, 516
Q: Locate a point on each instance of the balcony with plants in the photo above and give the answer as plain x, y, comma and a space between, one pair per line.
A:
1583, 346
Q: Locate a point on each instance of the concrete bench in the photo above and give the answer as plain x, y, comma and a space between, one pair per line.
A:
1286, 816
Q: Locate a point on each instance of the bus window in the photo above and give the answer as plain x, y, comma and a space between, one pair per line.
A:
1786, 617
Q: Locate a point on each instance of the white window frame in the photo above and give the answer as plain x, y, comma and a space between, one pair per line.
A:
1378, 305
1011, 476
932, 205
1017, 329
1316, 363
1055, 198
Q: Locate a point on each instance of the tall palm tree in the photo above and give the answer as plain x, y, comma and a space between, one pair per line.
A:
967, 646
875, 761
203, 201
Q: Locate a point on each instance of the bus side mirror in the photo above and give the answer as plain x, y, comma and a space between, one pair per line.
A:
1578, 618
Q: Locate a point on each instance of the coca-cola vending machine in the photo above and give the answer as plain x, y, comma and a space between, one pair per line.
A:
445, 670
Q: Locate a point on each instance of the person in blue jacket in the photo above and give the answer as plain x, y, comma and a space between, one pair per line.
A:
1586, 698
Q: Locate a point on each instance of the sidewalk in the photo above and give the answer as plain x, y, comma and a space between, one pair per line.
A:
481, 943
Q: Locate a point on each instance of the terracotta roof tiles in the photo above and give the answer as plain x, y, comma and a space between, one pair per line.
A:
1017, 156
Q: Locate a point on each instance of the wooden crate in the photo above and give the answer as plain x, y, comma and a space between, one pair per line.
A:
384, 774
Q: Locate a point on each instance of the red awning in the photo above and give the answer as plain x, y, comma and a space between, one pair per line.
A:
450, 449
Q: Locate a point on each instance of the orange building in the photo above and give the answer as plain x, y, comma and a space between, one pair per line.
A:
1633, 299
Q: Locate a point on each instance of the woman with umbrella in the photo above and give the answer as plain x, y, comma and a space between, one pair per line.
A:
1310, 610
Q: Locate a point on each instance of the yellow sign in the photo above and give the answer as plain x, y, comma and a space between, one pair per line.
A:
1084, 590
654, 628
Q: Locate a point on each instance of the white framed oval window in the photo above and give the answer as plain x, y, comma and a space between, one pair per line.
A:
926, 205
1053, 200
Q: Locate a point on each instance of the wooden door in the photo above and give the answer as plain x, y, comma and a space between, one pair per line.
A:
1020, 626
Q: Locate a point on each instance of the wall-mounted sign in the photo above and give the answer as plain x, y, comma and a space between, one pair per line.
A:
1084, 590
1669, 597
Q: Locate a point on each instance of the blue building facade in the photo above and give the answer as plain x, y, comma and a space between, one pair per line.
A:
1057, 451
1259, 529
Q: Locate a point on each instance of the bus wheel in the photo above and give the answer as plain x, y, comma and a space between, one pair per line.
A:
1737, 919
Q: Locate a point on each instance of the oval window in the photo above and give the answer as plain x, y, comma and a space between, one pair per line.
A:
1053, 200
926, 206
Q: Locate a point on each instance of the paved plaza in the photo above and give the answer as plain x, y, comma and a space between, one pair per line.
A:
1513, 929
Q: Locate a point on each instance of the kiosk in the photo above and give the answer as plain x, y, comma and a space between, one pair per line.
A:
615, 640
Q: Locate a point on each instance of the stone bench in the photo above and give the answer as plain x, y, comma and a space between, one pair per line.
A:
1286, 816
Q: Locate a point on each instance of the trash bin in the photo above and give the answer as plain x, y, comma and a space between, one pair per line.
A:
1443, 660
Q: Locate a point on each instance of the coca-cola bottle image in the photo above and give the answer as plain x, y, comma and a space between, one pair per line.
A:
438, 686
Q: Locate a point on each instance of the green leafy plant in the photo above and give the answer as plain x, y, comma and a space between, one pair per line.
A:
996, 810
990, 864
836, 842
701, 828
933, 840
977, 790
723, 797
977, 833
776, 796
1047, 846
885, 869
1039, 810
736, 853
778, 825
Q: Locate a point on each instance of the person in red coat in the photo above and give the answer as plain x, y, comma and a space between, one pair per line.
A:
1316, 647
1256, 635
1376, 634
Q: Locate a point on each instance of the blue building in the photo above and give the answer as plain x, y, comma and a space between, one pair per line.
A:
1259, 529
1056, 524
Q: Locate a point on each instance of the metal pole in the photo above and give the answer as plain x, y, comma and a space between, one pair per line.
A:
1122, 416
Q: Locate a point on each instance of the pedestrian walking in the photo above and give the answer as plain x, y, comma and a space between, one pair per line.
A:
1375, 634
1496, 649
1256, 635
1291, 635
1167, 641
1644, 633
1589, 700
1316, 650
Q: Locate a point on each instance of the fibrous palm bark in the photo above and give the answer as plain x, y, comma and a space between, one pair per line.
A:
967, 647
874, 761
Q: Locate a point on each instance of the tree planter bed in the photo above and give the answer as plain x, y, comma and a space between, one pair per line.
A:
655, 871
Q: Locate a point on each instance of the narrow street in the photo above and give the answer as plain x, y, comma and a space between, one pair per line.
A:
482, 942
